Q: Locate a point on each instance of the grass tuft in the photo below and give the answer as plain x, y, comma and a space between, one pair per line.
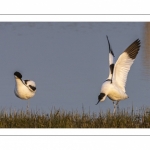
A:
62, 119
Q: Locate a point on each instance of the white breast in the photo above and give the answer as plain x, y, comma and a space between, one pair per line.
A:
22, 91
116, 93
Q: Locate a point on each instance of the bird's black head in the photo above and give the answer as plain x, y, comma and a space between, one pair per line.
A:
18, 74
100, 97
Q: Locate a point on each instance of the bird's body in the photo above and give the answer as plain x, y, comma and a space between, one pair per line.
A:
113, 92
114, 86
24, 89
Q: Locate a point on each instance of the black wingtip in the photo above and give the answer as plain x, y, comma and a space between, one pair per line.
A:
110, 49
139, 42
133, 49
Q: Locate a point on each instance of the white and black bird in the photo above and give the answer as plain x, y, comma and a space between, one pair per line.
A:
24, 89
114, 86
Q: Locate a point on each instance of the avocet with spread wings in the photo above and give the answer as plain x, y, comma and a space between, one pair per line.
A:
114, 86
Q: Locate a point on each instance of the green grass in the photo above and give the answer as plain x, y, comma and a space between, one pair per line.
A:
63, 119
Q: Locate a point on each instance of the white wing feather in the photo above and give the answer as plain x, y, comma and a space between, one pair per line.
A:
111, 60
124, 64
121, 70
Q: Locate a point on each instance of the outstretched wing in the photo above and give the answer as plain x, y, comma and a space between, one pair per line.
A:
111, 61
124, 63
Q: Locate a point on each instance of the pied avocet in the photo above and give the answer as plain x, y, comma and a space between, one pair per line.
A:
24, 89
114, 86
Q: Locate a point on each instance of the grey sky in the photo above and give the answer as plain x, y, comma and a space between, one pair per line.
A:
69, 62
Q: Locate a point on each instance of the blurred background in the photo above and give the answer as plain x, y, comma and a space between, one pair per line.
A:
69, 62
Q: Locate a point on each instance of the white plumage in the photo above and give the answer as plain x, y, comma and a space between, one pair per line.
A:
24, 89
114, 86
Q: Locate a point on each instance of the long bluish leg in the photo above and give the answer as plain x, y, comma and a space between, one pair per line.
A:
114, 107
117, 106
28, 104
